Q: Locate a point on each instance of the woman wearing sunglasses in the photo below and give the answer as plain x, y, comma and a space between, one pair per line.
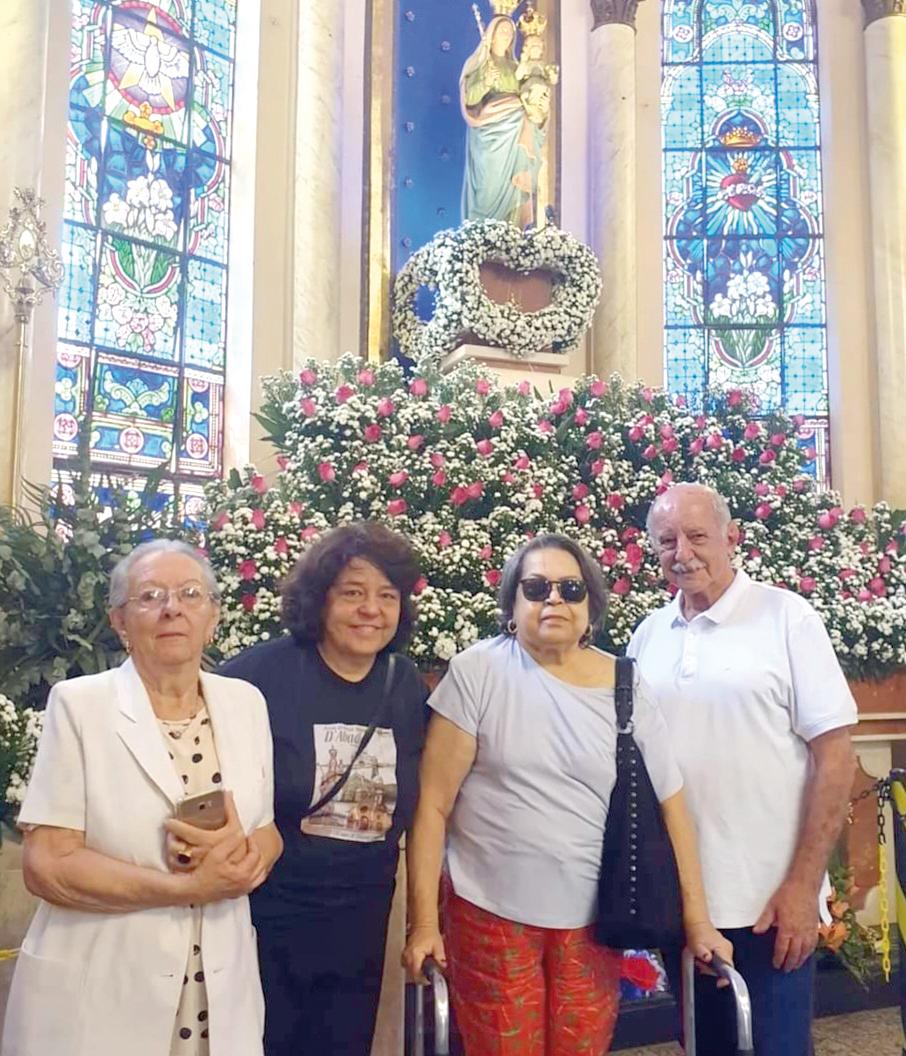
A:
516, 777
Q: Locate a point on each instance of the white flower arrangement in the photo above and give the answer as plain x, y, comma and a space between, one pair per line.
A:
20, 731
469, 471
450, 266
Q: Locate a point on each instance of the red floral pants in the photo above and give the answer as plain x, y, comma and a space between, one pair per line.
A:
520, 990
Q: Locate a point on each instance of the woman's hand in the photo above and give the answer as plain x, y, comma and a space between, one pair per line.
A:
231, 868
424, 940
703, 940
187, 845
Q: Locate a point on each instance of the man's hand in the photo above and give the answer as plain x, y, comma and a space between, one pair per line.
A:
793, 911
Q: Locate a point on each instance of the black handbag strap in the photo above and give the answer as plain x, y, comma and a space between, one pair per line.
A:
623, 693
337, 786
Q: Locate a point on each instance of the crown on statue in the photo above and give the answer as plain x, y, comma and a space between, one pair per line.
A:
532, 23
505, 7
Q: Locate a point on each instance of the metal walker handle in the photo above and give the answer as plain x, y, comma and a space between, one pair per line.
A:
438, 984
744, 1043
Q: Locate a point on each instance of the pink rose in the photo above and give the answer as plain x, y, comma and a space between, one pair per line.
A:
780, 491
762, 489
734, 398
360, 467
372, 433
419, 585
582, 514
365, 377
649, 453
636, 432
258, 484
616, 501
399, 478
714, 442
258, 519
219, 522
697, 446
249, 601
609, 557
754, 553
634, 555
523, 388
459, 495
622, 586
308, 407
248, 569
669, 445
485, 448
282, 461
565, 396
846, 573
343, 393
857, 515
522, 462
778, 439
763, 510
580, 491
581, 416
496, 419
545, 426
308, 532
878, 587
396, 507
492, 577
444, 540
385, 407
418, 387
865, 594
884, 565
767, 457
738, 454
485, 552
437, 459
508, 478
482, 386
475, 490
597, 467
439, 478
594, 440
281, 546
647, 395
629, 533
598, 388
537, 490
558, 407
752, 431
296, 507
807, 584
308, 377
827, 520
326, 472
816, 542
666, 431
444, 413
415, 441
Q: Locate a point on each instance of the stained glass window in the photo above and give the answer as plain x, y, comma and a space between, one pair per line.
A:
142, 324
743, 247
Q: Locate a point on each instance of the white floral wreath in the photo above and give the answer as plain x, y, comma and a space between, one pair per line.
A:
450, 265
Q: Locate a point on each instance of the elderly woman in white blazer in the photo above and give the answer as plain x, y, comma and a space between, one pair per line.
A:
142, 941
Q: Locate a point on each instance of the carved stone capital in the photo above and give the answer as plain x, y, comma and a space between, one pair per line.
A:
614, 12
877, 9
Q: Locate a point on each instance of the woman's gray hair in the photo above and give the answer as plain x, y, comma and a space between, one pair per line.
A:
718, 504
119, 577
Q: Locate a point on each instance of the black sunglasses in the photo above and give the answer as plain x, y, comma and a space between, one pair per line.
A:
538, 588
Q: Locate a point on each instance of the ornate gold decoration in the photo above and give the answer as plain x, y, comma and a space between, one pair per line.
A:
532, 23
614, 12
505, 7
878, 9
740, 137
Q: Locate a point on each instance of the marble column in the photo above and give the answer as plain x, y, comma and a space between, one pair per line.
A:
318, 189
885, 68
33, 102
612, 183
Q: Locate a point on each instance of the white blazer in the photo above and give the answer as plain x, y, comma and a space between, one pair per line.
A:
104, 984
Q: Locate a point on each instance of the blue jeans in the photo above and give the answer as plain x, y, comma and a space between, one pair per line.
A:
781, 1001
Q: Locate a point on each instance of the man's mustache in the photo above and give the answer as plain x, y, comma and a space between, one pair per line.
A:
686, 568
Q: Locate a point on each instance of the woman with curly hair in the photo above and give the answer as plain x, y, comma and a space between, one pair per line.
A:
348, 718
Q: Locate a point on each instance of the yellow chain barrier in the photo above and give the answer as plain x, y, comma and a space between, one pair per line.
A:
885, 911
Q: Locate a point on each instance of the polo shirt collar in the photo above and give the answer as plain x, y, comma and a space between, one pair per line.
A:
721, 609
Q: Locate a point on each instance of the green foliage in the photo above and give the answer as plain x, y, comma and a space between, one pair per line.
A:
54, 573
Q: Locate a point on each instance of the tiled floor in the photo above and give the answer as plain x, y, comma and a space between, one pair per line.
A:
860, 1034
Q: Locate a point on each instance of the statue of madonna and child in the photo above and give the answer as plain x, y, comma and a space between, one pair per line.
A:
506, 105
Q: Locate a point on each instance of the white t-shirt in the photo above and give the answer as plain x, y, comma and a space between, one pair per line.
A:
744, 687
525, 835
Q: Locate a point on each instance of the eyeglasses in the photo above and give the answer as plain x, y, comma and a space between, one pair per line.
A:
538, 588
192, 595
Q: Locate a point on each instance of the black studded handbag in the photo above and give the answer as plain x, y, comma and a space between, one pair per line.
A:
639, 901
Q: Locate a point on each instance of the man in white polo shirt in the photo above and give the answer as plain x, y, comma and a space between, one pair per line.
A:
759, 713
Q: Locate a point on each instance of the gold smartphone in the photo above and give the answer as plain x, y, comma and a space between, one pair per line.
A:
205, 811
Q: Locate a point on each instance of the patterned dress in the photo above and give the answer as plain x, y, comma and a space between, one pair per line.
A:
190, 743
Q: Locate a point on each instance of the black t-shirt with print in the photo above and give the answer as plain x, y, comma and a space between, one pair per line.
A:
304, 696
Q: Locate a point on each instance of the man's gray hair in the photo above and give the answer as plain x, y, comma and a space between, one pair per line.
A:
718, 504
119, 577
